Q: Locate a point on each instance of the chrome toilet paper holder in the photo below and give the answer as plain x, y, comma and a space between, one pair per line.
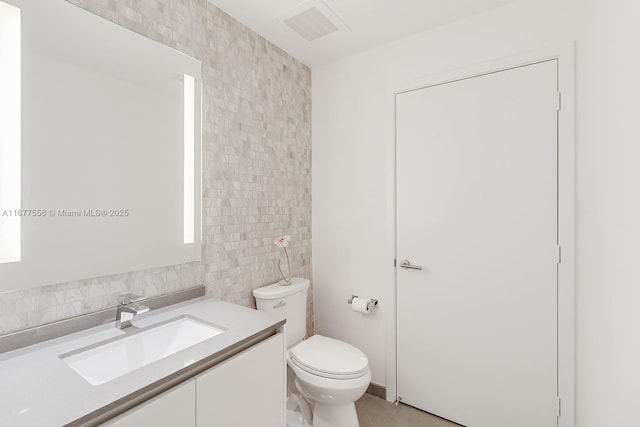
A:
370, 304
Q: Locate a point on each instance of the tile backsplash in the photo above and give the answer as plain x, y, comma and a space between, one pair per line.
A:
256, 153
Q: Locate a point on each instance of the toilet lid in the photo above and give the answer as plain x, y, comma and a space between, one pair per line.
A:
329, 358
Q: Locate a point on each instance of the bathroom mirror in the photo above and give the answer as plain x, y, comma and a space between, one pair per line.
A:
100, 134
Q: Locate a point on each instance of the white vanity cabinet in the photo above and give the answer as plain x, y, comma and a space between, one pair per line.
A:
174, 407
245, 390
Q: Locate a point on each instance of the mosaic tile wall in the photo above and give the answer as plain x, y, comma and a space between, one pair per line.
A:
256, 166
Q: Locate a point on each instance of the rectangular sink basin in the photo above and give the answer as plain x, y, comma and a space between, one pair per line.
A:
116, 357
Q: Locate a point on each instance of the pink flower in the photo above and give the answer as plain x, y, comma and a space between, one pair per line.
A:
282, 242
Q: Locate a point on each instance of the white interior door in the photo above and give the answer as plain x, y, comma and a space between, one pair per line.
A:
477, 209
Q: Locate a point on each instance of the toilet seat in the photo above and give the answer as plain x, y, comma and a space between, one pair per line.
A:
329, 358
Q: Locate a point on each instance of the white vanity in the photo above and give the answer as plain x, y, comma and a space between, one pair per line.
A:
231, 373
244, 390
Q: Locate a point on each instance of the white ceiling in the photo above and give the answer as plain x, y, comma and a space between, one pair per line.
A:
370, 22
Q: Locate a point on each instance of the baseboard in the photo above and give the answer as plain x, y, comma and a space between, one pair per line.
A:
377, 390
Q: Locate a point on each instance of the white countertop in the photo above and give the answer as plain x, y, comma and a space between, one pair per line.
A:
37, 388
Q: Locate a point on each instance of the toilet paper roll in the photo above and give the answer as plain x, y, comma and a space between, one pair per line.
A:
361, 305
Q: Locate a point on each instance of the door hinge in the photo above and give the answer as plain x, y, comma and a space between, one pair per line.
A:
395, 262
559, 407
559, 101
558, 254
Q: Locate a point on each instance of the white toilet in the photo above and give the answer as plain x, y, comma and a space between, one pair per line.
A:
330, 375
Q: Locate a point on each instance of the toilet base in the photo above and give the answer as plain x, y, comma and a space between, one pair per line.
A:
335, 415
295, 419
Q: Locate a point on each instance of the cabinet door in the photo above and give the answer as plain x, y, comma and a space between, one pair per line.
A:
175, 407
246, 390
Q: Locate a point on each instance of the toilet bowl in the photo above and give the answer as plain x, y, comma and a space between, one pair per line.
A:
329, 374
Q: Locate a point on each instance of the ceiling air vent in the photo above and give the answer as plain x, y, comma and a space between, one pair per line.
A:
312, 20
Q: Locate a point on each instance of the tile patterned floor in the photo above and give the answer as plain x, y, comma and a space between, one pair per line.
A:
376, 412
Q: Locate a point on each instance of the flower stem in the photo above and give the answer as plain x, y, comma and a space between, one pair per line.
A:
287, 278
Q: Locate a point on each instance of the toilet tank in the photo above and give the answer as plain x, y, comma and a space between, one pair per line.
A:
288, 301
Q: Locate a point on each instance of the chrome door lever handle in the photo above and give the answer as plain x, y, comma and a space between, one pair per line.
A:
406, 265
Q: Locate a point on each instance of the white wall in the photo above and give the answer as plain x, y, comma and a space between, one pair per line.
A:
608, 161
351, 128
350, 141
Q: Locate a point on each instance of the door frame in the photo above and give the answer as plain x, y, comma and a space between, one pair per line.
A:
565, 54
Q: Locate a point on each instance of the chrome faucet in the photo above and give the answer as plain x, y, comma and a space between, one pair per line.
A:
128, 307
